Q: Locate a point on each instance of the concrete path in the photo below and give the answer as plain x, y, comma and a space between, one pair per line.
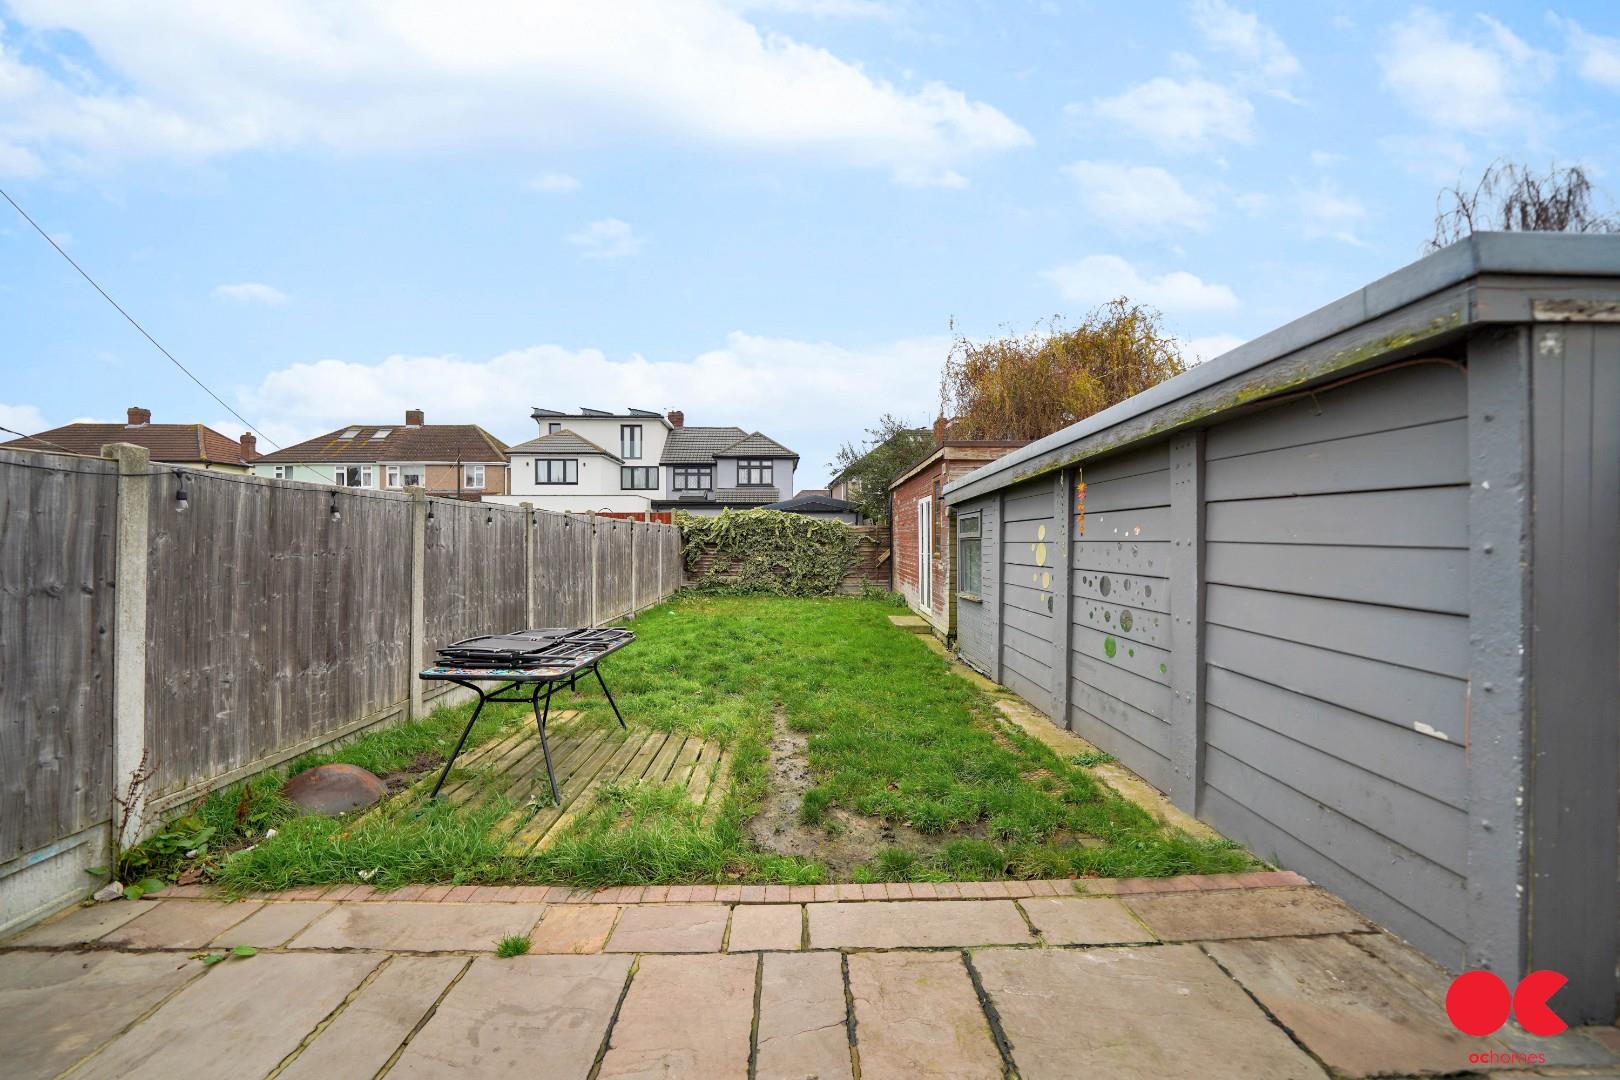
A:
1241, 976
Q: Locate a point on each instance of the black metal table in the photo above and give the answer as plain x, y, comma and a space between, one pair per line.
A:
542, 658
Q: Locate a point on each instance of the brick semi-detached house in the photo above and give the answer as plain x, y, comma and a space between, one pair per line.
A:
461, 461
924, 537
195, 446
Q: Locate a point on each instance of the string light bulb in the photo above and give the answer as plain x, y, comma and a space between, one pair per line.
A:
182, 500
337, 515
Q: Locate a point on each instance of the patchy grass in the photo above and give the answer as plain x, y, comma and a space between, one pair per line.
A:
891, 737
512, 945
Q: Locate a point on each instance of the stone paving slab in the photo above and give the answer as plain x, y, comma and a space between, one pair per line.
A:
1247, 913
916, 924
176, 924
407, 927
81, 924
523, 1017
1132, 1013
370, 1028
272, 925
917, 1014
1351, 1010
57, 1007
574, 928
671, 928
685, 1018
765, 926
240, 1019
803, 1018
1073, 921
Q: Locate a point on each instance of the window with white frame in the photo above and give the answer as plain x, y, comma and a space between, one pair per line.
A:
754, 472
283, 472
968, 543
556, 470
554, 427
352, 476
630, 441
472, 477
638, 478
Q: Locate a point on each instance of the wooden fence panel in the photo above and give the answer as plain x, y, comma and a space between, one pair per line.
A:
475, 574
57, 522
270, 621
562, 571
614, 599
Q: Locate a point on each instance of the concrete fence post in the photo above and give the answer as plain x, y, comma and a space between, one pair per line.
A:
1186, 618
132, 549
528, 563
418, 636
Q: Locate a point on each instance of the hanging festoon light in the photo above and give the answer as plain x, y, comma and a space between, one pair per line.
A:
489, 517
182, 500
430, 510
337, 515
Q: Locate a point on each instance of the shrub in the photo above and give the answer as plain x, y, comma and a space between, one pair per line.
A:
768, 551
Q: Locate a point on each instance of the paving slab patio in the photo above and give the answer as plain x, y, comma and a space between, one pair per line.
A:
1260, 976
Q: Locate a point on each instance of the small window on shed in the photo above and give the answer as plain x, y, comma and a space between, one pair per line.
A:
967, 542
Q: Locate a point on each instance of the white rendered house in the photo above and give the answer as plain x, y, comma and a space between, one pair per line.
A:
590, 462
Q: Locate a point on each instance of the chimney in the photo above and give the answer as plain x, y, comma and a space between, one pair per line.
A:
677, 418
139, 417
414, 418
250, 448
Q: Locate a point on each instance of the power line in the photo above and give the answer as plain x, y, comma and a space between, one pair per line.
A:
132, 322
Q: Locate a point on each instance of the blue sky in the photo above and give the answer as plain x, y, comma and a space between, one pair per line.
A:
763, 213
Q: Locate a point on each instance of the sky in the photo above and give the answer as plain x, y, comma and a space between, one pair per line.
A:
767, 213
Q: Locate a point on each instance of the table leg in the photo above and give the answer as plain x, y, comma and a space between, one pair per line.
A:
603, 681
541, 715
461, 741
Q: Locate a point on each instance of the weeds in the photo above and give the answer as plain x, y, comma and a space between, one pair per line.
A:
512, 945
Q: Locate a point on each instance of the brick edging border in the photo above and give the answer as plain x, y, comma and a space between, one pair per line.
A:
763, 894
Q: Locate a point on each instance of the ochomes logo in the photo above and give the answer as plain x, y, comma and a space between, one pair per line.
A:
1479, 1003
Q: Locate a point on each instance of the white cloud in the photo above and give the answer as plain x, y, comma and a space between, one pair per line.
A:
196, 80
1325, 211
1178, 116
24, 418
251, 292
1597, 57
1097, 279
19, 161
822, 9
1242, 34
1136, 196
553, 183
609, 238
1481, 83
1198, 349
809, 395
1435, 158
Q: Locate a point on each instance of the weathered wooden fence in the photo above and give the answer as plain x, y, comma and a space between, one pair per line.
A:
257, 619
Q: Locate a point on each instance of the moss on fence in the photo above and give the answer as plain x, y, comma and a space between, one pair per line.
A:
767, 551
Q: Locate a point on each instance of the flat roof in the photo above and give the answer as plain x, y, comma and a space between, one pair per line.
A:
1570, 255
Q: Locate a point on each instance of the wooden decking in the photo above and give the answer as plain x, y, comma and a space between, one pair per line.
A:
586, 755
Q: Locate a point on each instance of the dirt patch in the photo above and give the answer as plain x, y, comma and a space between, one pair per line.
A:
843, 840
420, 766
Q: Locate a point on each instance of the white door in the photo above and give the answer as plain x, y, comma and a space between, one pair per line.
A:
925, 552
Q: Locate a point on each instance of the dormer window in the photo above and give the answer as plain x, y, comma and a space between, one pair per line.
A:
554, 427
630, 441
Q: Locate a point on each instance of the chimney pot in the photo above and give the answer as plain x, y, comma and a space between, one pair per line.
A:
677, 418
250, 447
139, 417
414, 418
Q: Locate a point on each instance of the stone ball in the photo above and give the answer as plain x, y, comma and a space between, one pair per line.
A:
334, 789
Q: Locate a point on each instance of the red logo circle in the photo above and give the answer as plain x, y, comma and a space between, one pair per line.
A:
1478, 1002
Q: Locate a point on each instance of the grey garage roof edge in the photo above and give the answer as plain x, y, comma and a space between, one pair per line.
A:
1499, 253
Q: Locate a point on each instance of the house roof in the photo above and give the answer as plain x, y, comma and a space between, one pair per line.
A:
561, 442
587, 413
175, 443
698, 445
752, 496
960, 450
809, 502
428, 442
756, 445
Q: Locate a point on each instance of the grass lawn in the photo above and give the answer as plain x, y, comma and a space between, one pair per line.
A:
893, 750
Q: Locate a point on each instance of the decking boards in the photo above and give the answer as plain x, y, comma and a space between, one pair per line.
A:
586, 756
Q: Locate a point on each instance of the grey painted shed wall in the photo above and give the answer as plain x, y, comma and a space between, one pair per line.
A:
1380, 668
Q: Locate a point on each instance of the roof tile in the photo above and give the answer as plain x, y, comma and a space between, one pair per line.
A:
430, 442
